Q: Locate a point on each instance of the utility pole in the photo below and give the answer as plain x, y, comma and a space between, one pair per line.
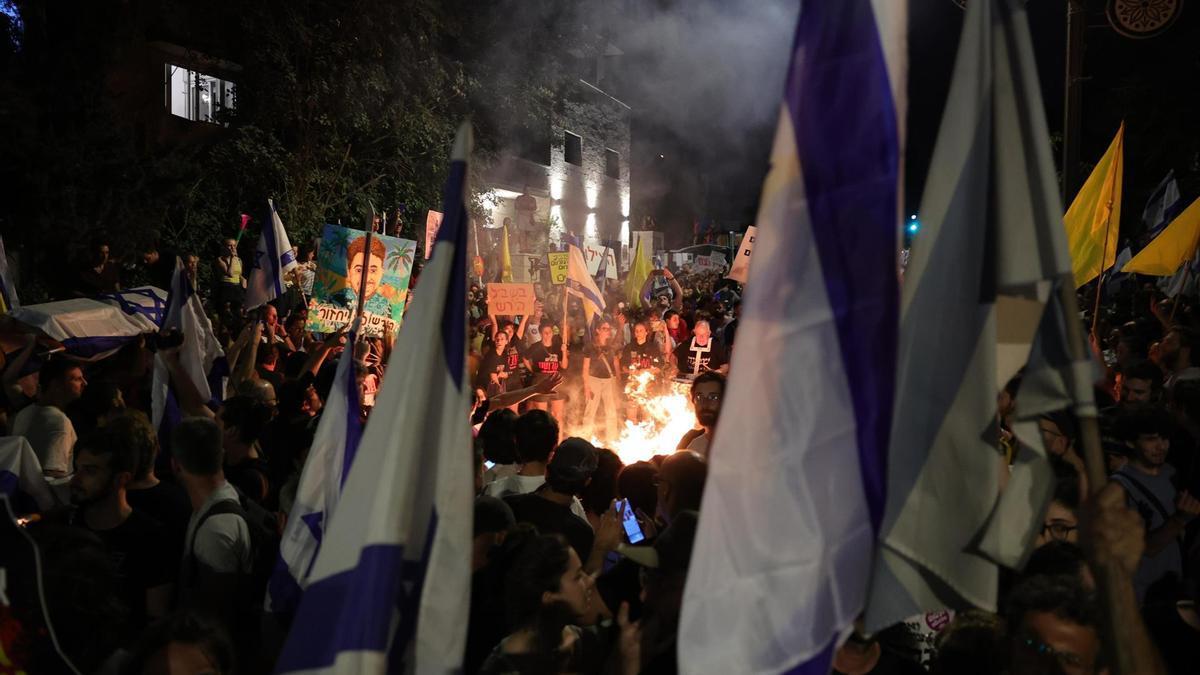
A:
1073, 97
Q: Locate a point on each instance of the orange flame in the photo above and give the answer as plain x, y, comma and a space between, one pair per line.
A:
664, 419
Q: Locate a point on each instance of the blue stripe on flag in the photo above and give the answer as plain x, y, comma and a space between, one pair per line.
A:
356, 605
841, 107
819, 664
454, 232
587, 293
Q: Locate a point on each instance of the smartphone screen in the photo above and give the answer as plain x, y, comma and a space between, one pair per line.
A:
632, 530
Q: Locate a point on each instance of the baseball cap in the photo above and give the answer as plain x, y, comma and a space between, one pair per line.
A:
573, 459
671, 551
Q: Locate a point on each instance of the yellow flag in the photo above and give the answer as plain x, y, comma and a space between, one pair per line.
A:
505, 260
639, 271
1095, 215
1175, 244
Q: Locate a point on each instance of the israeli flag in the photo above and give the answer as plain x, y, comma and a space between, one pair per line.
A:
581, 284
200, 355
1162, 207
273, 259
391, 585
8, 291
796, 479
334, 446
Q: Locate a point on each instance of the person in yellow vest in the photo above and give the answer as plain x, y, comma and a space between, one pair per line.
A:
231, 283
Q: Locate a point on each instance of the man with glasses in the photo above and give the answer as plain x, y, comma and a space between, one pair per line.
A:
707, 390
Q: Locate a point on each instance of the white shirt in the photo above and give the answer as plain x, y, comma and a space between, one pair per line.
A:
50, 434
523, 485
223, 544
699, 445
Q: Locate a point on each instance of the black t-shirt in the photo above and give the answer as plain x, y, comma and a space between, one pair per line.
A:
729, 333
545, 360
250, 478
551, 518
635, 357
711, 356
167, 503
599, 356
512, 358
491, 362
141, 553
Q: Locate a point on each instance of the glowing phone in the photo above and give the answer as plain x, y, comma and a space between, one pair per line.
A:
633, 531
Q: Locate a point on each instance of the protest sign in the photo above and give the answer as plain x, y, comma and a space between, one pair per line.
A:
433, 220
558, 267
510, 299
718, 261
594, 253
703, 263
741, 262
340, 266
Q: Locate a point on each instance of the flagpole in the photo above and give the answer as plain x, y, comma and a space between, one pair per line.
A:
1094, 465
1113, 176
362, 282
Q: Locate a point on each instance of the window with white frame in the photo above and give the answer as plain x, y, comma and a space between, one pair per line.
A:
197, 96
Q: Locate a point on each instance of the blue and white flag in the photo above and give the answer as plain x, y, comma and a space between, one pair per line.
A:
796, 478
273, 259
8, 292
201, 354
1162, 207
992, 227
581, 284
334, 446
390, 589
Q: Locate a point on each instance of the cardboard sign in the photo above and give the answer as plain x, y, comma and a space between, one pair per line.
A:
594, 253
718, 261
433, 221
510, 299
558, 267
741, 263
340, 266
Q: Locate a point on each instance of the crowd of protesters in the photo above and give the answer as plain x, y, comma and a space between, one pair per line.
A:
157, 557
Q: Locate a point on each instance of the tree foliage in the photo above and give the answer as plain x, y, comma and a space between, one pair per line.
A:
339, 105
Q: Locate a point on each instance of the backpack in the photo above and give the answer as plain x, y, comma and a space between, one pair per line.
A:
264, 540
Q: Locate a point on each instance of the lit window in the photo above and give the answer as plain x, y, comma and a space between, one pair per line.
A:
196, 96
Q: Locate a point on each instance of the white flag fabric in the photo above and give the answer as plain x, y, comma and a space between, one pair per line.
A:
273, 259
580, 282
8, 291
330, 457
991, 226
21, 473
795, 485
390, 589
201, 354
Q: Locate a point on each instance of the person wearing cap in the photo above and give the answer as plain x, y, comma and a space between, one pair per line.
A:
664, 567
549, 506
